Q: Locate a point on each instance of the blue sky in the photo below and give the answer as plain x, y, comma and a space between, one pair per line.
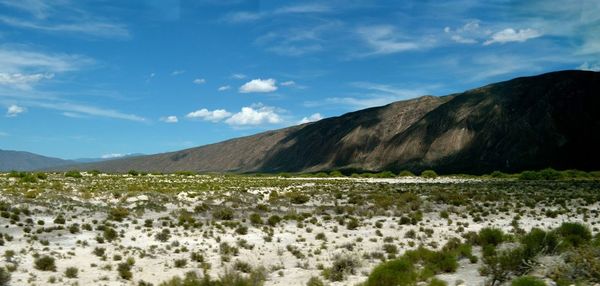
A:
102, 78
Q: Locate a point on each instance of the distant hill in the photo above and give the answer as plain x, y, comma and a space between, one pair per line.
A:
25, 161
548, 120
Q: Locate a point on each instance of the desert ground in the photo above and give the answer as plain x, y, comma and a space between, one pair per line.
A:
165, 229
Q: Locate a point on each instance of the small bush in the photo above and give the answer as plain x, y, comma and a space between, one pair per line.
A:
71, 272
429, 174
574, 234
274, 220
124, 270
530, 176
527, 281
73, 174
118, 213
223, 213
180, 263
341, 267
490, 236
398, 272
4, 277
45, 263
298, 199
406, 173
315, 281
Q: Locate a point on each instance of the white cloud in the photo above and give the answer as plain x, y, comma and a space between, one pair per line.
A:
255, 115
512, 35
14, 110
590, 66
169, 119
312, 118
288, 83
259, 85
238, 76
208, 115
177, 72
22, 81
113, 156
199, 81
386, 40
224, 88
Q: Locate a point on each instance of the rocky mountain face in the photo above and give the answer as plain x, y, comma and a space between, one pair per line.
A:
549, 120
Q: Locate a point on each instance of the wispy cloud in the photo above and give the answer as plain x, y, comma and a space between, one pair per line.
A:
86, 110
22, 81
251, 16
385, 39
94, 28
377, 94
512, 35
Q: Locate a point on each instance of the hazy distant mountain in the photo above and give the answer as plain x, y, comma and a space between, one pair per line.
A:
533, 122
25, 161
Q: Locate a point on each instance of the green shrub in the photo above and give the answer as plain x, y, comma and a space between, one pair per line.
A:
430, 174
298, 198
341, 267
180, 263
255, 219
273, 220
437, 282
315, 281
539, 241
406, 173
4, 277
498, 174
529, 176
527, 281
124, 270
73, 174
399, 272
490, 236
223, 213
574, 234
118, 213
45, 263
550, 174
71, 272
110, 233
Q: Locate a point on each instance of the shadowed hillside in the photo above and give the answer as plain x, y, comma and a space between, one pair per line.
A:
525, 123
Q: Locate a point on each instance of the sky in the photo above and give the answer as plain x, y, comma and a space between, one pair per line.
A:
89, 79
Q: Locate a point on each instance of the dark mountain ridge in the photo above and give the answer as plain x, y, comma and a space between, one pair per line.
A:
548, 120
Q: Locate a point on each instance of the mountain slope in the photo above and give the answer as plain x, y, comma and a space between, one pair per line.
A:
524, 123
25, 161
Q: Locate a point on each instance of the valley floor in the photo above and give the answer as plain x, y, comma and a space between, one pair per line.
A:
141, 230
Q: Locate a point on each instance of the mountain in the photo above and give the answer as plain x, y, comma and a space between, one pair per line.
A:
25, 161
548, 120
